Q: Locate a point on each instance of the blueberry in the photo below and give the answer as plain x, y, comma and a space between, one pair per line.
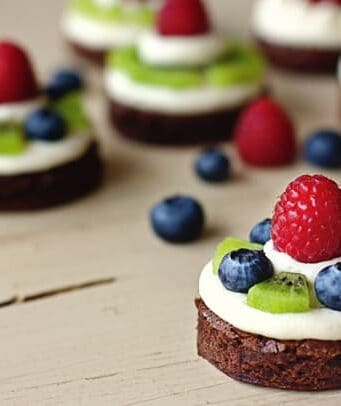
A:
213, 166
63, 82
240, 270
261, 232
323, 148
328, 286
178, 219
45, 125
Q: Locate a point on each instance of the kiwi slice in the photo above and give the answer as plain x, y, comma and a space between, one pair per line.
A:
242, 65
128, 61
70, 107
12, 141
228, 245
285, 292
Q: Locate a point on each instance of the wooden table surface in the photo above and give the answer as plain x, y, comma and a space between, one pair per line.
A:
95, 309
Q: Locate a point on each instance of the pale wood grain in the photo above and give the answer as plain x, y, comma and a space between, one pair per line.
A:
131, 341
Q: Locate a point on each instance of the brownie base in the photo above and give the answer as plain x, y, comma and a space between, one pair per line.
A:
91, 55
38, 190
307, 365
302, 60
160, 128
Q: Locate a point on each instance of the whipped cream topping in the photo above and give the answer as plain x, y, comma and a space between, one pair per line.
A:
318, 323
106, 3
18, 111
283, 262
41, 156
158, 50
203, 99
98, 35
298, 22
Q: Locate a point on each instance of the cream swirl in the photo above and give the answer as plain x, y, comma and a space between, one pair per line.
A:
158, 50
298, 23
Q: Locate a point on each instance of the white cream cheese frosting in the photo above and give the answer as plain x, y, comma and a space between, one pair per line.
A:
318, 323
283, 262
298, 23
98, 35
158, 50
18, 111
203, 99
41, 156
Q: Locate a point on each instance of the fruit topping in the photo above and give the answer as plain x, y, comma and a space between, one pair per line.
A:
45, 125
70, 107
323, 148
12, 140
285, 292
307, 220
261, 232
328, 286
229, 245
178, 219
242, 269
213, 165
183, 18
17, 79
265, 135
64, 82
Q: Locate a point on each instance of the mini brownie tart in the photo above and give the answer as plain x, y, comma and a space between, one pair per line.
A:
270, 314
299, 35
183, 83
94, 27
48, 154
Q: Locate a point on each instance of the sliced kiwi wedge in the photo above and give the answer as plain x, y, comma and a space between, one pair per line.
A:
285, 292
70, 107
228, 245
12, 140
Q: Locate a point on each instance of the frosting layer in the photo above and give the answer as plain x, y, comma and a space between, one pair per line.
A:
199, 50
196, 100
96, 34
41, 156
318, 323
298, 23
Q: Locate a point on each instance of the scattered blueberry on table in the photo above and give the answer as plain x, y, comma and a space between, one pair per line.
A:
45, 125
242, 269
178, 219
328, 286
323, 148
261, 232
213, 165
63, 82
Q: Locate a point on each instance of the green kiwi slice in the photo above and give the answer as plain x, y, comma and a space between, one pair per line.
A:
228, 245
12, 140
70, 107
285, 292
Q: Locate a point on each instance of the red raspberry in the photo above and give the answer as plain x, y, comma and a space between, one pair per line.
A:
307, 220
183, 18
17, 79
265, 135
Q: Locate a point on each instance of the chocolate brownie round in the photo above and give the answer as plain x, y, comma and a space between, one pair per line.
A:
311, 365
175, 129
52, 187
94, 55
303, 60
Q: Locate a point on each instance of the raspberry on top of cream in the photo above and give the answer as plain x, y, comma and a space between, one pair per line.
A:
298, 22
